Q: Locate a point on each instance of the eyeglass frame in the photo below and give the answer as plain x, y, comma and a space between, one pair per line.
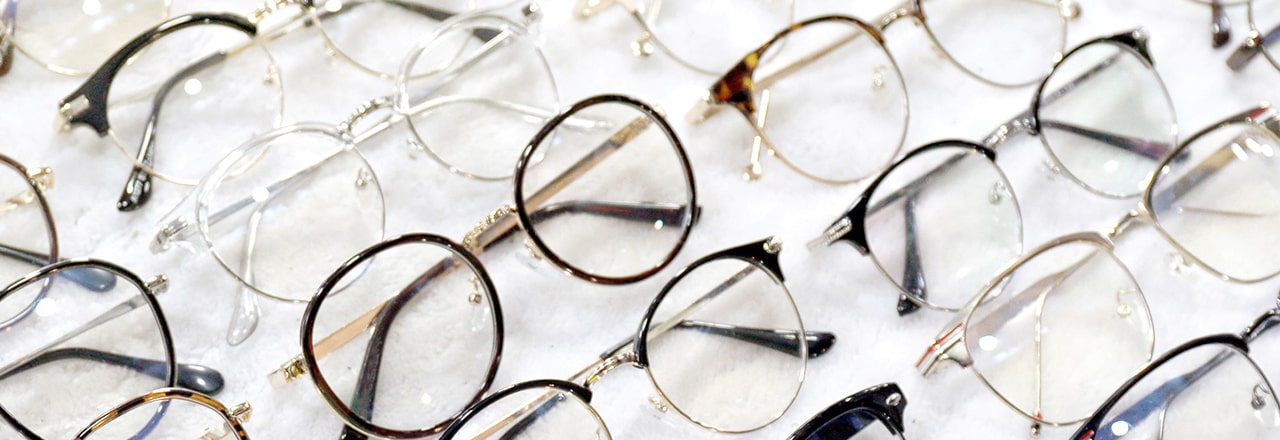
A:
8, 17
235, 417
884, 403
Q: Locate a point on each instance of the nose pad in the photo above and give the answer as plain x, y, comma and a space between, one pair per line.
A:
1260, 397
1179, 264
643, 47
1123, 310
533, 257
659, 403
877, 78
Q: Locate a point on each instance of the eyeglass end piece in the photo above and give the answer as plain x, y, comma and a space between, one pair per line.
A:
158, 284
167, 234
241, 412
1069, 9
1246, 52
289, 372
589, 8
701, 108
68, 110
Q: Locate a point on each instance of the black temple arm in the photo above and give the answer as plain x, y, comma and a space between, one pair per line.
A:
1247, 52
193, 377
1221, 25
913, 270
818, 343
1147, 148
645, 212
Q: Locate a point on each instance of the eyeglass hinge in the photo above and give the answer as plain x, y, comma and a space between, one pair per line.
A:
158, 284
43, 177
241, 412
166, 234
289, 372
69, 110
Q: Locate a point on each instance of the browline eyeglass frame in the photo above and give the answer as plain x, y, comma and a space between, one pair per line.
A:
884, 403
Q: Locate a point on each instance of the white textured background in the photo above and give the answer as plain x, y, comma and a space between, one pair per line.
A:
556, 324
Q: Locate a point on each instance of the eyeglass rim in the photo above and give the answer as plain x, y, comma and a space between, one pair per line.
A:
309, 317
998, 282
633, 9
873, 400
527, 158
1231, 342
163, 395
756, 254
462, 22
919, 13
1262, 116
1134, 42
221, 171
148, 297
582, 393
23, 172
1254, 27
64, 70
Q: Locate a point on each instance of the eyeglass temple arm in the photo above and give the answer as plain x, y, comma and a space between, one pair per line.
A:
1220, 26
913, 270
193, 377
1157, 401
137, 189
8, 12
1250, 48
96, 280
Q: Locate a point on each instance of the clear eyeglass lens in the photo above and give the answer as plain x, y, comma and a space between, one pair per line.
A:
722, 346
375, 34
190, 97
611, 196
55, 390
1264, 16
859, 424
1007, 42
476, 93
26, 238
1211, 391
1106, 118
536, 414
168, 418
942, 224
1219, 198
833, 68
415, 332
712, 34
1071, 315
76, 36
281, 213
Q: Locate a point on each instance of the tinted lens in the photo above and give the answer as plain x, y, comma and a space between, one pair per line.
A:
1068, 316
189, 97
167, 418
714, 34
540, 413
375, 34
1007, 42
942, 223
613, 197
476, 93
837, 69
76, 36
414, 329
1264, 17
55, 387
26, 235
1211, 391
283, 211
722, 346
1106, 118
1219, 198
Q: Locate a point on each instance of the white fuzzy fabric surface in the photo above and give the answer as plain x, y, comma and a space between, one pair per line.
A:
555, 324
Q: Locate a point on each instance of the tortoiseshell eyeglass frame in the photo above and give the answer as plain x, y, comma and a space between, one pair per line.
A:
234, 417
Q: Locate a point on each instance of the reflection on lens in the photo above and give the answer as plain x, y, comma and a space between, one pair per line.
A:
414, 330
538, 413
1105, 117
709, 346
1264, 17
1219, 198
167, 419
375, 34
1007, 42
283, 211
1067, 316
476, 93
76, 36
837, 69
613, 197
189, 97
942, 223
713, 34
1211, 391
26, 237
55, 390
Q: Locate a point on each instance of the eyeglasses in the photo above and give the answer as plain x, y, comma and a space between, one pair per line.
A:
1206, 388
744, 347
626, 201
940, 222
642, 199
697, 35
112, 340
28, 238
170, 413
860, 80
71, 37
203, 76
875, 413
1264, 32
